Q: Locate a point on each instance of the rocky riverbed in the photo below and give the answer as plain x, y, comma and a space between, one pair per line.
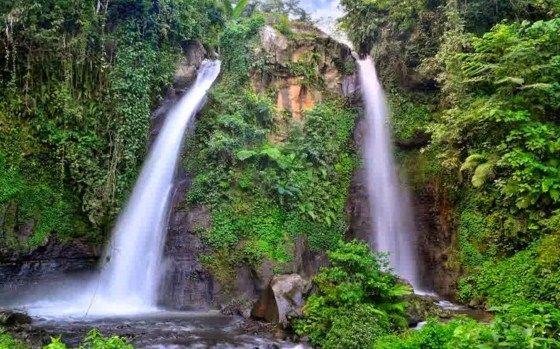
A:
173, 330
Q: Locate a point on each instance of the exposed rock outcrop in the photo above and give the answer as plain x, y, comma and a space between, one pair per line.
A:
282, 299
52, 260
194, 54
308, 55
436, 240
9, 318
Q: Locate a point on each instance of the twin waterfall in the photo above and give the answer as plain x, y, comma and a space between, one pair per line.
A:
128, 282
393, 228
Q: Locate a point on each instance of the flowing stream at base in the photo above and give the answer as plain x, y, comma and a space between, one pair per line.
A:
131, 268
393, 227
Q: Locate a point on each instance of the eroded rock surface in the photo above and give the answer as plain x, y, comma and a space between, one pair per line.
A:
54, 259
282, 300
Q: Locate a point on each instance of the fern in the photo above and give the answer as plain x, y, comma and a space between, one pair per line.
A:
472, 162
239, 8
482, 173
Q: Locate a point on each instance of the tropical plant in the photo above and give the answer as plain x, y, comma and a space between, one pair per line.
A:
358, 300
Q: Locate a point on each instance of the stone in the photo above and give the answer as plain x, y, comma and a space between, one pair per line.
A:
274, 44
9, 318
419, 308
194, 54
282, 300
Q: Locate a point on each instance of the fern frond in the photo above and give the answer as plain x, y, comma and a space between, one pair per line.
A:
472, 162
482, 174
239, 8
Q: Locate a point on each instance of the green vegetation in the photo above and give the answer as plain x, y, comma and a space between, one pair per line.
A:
268, 178
78, 84
484, 85
93, 340
521, 326
357, 301
8, 342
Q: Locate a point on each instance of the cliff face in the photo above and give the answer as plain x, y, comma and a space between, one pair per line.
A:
55, 258
299, 71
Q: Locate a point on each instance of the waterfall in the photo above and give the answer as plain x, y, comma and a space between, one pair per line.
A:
131, 267
393, 227
132, 270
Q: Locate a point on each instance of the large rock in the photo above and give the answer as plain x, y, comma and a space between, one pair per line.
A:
10, 318
282, 300
332, 64
193, 55
274, 44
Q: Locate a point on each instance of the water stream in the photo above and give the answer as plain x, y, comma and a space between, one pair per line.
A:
131, 268
393, 227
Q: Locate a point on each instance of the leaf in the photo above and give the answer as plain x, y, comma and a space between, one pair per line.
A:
272, 152
517, 81
482, 174
239, 8
472, 161
538, 86
245, 154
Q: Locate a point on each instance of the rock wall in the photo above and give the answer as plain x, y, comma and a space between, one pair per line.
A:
193, 286
53, 260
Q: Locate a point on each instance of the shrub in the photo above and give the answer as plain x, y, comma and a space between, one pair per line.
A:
358, 300
525, 325
93, 340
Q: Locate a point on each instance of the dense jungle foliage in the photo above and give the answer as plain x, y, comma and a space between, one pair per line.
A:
480, 78
268, 178
78, 82
475, 82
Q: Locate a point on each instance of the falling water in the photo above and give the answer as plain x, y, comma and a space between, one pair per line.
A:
134, 254
131, 267
393, 228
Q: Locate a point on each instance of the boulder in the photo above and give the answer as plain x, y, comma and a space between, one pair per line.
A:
282, 300
419, 308
11, 318
274, 44
194, 54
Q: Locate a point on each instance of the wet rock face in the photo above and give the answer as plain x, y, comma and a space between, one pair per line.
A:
194, 54
436, 240
357, 207
53, 259
186, 285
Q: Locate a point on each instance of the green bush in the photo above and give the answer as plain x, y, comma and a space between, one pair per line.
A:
357, 300
526, 325
8, 342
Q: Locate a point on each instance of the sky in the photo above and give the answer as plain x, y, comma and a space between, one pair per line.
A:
325, 13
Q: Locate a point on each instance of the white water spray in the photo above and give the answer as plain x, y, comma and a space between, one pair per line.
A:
131, 267
135, 252
393, 228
